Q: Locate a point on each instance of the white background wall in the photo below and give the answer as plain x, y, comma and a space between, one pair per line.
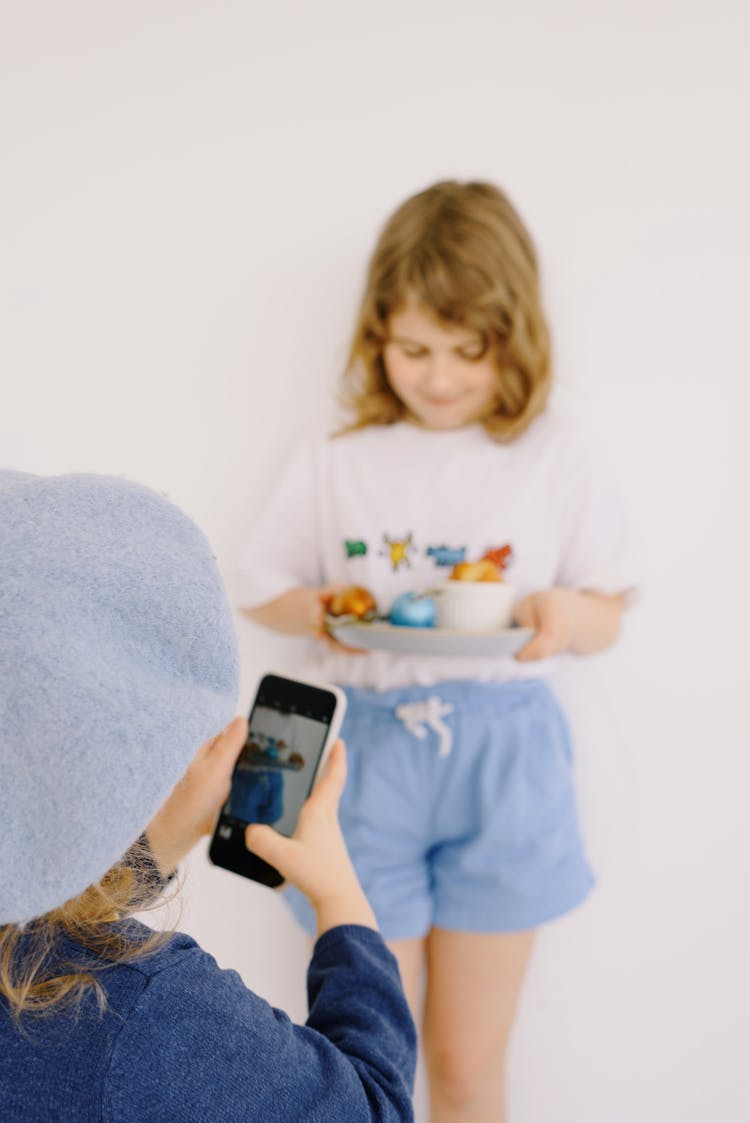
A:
187, 198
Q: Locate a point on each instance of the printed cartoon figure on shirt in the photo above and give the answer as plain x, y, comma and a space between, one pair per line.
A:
446, 557
355, 548
460, 810
398, 550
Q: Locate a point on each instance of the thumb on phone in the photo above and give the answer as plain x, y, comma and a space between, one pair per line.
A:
315, 859
326, 794
268, 844
317, 821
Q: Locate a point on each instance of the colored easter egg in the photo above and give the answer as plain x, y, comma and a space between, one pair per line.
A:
413, 611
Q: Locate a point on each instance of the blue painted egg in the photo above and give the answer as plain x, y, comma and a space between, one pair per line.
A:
413, 611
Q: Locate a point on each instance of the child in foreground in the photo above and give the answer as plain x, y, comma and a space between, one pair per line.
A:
459, 810
118, 659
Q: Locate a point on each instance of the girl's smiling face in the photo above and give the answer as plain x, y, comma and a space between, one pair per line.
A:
444, 375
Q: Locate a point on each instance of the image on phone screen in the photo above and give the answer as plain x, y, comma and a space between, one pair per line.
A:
288, 730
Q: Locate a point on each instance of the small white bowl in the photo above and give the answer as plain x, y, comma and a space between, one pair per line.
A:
475, 606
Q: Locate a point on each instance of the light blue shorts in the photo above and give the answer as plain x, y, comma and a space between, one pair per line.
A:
459, 809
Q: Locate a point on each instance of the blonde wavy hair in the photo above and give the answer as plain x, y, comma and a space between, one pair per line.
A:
463, 253
33, 980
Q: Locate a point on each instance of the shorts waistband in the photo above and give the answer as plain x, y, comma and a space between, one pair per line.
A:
460, 694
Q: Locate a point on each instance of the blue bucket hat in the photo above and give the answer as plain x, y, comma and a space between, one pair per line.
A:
117, 660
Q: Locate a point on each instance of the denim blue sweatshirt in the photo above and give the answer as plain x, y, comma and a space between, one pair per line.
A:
182, 1040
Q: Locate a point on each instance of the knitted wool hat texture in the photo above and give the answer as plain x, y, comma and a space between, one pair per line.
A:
118, 659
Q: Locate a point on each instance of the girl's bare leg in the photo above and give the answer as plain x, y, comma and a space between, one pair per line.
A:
410, 955
473, 985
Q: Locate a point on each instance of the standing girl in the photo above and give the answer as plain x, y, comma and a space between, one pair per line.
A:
459, 809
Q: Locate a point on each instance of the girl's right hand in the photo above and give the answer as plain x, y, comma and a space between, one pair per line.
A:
325, 595
302, 611
315, 858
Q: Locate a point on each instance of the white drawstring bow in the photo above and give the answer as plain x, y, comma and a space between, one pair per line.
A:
417, 715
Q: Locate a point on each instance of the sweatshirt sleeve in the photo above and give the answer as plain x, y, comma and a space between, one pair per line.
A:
282, 551
199, 1045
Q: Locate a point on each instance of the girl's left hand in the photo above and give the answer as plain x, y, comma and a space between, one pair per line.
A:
191, 810
552, 615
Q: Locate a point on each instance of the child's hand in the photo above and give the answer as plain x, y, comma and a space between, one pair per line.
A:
325, 595
315, 859
302, 611
552, 615
191, 809
569, 620
307, 607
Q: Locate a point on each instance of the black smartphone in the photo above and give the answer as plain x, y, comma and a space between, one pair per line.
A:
292, 727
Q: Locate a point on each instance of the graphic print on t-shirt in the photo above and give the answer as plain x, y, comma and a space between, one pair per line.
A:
446, 556
398, 550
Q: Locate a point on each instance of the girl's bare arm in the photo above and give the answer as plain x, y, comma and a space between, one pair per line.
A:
299, 611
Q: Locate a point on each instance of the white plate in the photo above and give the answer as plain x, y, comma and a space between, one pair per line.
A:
379, 636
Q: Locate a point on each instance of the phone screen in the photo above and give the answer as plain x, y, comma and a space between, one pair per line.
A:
288, 730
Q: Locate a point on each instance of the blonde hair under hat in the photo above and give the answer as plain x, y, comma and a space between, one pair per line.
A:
117, 660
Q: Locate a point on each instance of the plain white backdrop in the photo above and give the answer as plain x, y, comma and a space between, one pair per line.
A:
188, 195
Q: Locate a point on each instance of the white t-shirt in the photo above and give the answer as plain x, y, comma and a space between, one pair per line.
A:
393, 507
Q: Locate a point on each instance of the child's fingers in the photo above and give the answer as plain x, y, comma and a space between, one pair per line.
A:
328, 592
334, 776
223, 751
278, 850
233, 737
268, 844
336, 645
216, 758
540, 647
524, 613
530, 651
327, 792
